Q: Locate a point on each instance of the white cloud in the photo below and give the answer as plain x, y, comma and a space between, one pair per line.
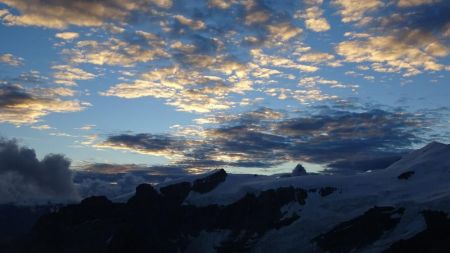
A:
21, 106
11, 60
67, 75
356, 10
389, 54
67, 35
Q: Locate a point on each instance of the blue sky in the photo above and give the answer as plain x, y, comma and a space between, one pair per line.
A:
244, 84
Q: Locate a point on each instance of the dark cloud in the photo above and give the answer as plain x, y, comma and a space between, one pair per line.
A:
341, 133
20, 105
13, 95
23, 178
147, 143
60, 14
108, 168
427, 17
372, 138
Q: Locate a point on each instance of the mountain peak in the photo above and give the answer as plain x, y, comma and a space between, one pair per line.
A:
434, 145
432, 156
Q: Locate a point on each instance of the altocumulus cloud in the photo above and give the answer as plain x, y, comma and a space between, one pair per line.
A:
25, 179
60, 14
10, 59
208, 55
20, 105
410, 40
266, 138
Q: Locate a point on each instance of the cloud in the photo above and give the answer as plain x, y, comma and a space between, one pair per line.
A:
187, 89
114, 52
408, 40
411, 3
159, 145
314, 80
110, 185
282, 32
349, 166
416, 22
196, 25
87, 127
165, 4
25, 179
60, 14
268, 138
20, 105
115, 180
262, 59
67, 35
304, 96
11, 60
389, 54
222, 4
256, 17
317, 57
313, 16
67, 75
356, 10
114, 169
42, 127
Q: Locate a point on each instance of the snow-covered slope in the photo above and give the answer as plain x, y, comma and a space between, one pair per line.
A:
419, 181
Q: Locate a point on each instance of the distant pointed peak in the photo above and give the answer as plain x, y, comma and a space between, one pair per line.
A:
299, 170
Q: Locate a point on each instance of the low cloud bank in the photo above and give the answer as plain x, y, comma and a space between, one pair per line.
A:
26, 180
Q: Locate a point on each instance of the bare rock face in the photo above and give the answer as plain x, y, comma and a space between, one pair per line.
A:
208, 183
355, 234
146, 196
299, 170
434, 239
176, 193
405, 175
325, 191
154, 222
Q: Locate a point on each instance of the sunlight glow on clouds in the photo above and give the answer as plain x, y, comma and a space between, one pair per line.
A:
115, 64
10, 60
25, 106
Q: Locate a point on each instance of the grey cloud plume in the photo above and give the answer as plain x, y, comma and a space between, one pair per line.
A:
25, 179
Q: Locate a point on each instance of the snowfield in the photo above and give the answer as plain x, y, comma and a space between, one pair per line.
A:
427, 188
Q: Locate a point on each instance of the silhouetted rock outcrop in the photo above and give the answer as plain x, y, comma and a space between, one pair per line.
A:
361, 231
434, 239
405, 175
208, 183
145, 196
243, 213
299, 170
176, 193
325, 191
154, 222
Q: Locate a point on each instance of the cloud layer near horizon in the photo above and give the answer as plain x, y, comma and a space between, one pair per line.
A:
26, 180
266, 138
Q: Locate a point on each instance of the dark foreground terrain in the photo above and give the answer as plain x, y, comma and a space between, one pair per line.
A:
397, 210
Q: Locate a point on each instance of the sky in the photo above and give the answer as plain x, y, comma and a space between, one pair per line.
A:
252, 86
